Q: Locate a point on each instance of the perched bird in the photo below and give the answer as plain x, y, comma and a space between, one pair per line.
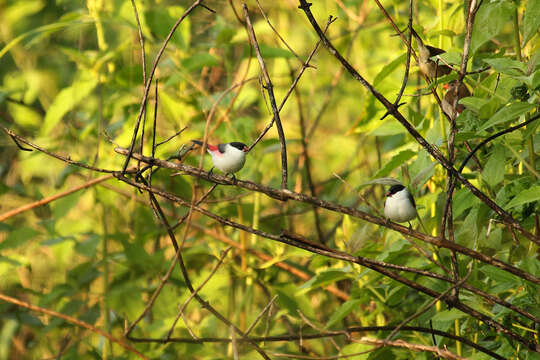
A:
227, 158
453, 91
399, 205
430, 68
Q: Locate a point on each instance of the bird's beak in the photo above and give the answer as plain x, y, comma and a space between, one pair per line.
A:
245, 149
446, 86
388, 194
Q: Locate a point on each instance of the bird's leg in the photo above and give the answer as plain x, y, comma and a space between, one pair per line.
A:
235, 181
410, 226
210, 172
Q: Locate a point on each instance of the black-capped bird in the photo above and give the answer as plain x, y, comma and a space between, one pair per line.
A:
399, 205
227, 158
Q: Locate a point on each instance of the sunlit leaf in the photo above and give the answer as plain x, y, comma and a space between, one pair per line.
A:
67, 99
531, 21
489, 21
526, 196
507, 113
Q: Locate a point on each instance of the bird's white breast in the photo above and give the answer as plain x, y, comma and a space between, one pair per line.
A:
399, 208
230, 161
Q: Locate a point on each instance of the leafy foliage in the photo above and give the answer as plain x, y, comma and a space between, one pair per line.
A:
71, 82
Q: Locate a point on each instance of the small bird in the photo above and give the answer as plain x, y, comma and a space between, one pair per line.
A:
399, 205
427, 66
452, 90
227, 158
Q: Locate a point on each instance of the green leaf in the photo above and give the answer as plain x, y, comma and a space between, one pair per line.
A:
67, 99
507, 113
507, 66
395, 162
473, 103
389, 68
291, 300
489, 21
452, 57
273, 52
198, 61
531, 21
88, 247
62, 206
343, 311
493, 172
448, 315
463, 200
526, 196
325, 278
18, 237
502, 280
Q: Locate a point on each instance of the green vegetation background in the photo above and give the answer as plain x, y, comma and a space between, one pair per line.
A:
70, 72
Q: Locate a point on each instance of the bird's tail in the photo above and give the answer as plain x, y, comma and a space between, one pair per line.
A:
198, 142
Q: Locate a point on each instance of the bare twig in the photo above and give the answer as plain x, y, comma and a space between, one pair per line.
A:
270, 90
281, 194
151, 76
281, 38
433, 151
52, 198
197, 290
263, 311
71, 320
291, 88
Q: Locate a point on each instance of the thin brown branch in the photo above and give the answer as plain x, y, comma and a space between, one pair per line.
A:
321, 250
71, 320
270, 90
345, 332
52, 198
281, 37
197, 290
65, 159
291, 88
281, 194
151, 76
416, 347
432, 150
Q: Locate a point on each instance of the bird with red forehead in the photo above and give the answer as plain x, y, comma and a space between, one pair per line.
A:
227, 158
453, 94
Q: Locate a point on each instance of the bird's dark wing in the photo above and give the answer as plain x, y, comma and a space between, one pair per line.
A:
434, 51
443, 69
221, 148
412, 199
198, 142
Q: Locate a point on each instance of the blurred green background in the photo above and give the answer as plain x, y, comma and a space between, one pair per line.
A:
71, 76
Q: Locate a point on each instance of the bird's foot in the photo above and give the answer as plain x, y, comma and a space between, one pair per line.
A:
210, 173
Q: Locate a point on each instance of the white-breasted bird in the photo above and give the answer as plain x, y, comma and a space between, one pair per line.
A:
227, 158
399, 205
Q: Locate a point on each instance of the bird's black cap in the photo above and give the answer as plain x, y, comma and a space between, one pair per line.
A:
394, 189
239, 145
397, 188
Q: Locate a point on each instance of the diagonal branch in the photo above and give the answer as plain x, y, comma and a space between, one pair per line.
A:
270, 90
432, 150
